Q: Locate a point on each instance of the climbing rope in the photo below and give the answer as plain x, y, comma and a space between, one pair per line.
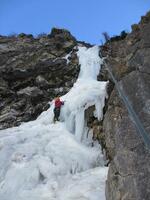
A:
140, 128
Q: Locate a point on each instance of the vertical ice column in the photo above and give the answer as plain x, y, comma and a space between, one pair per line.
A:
90, 62
79, 124
86, 92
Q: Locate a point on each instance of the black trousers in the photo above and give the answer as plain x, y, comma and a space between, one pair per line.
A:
56, 114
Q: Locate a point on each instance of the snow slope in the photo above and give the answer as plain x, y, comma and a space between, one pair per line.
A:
40, 160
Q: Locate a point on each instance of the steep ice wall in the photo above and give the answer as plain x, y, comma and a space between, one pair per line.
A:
42, 160
87, 91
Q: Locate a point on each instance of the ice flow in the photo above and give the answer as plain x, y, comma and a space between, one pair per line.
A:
45, 161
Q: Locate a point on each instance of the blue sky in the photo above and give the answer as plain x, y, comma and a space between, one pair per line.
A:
86, 19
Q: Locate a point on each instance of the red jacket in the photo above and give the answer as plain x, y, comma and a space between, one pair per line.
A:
58, 103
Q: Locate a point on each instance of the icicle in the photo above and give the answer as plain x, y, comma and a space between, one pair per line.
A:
79, 124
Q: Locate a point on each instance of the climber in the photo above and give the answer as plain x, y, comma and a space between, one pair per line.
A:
58, 104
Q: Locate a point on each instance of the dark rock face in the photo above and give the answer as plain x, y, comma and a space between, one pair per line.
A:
129, 60
34, 71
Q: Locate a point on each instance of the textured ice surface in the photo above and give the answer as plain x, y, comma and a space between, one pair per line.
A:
44, 161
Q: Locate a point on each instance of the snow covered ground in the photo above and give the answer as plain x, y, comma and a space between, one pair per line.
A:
40, 160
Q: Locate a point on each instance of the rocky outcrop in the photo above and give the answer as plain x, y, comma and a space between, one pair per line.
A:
129, 60
32, 72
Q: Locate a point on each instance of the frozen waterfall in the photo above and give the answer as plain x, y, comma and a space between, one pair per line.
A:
40, 160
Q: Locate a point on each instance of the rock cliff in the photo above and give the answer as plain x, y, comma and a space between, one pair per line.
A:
129, 60
32, 72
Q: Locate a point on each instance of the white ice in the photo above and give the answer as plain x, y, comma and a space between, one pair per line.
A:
40, 160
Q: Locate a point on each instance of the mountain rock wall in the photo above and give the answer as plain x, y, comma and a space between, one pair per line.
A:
129, 168
32, 72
